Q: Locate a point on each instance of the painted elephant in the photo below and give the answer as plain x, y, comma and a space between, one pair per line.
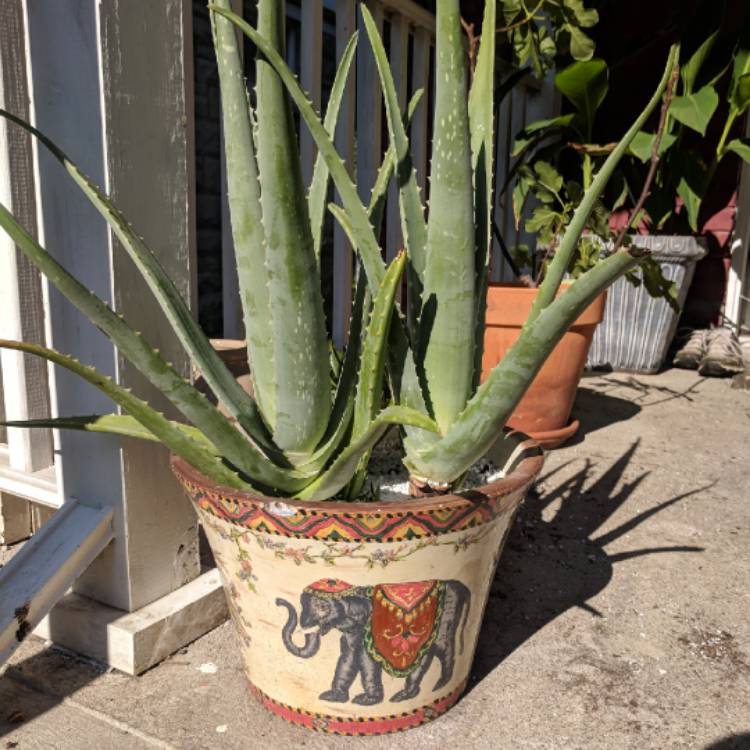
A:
398, 627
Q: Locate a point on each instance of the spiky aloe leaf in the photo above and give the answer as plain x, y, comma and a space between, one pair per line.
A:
297, 324
447, 322
227, 439
481, 124
113, 424
412, 211
246, 213
380, 189
361, 227
166, 432
343, 403
187, 330
561, 260
338, 474
372, 363
481, 422
316, 196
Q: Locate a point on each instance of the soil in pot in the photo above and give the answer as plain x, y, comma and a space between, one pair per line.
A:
544, 411
361, 618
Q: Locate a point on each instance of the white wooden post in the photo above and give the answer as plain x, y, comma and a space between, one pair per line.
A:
115, 93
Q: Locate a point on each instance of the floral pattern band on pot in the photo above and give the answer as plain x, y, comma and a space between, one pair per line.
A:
361, 618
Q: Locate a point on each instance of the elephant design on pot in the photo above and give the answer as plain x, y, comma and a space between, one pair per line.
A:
396, 627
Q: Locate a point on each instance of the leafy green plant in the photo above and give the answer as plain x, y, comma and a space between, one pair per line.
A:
433, 354
557, 160
538, 31
683, 169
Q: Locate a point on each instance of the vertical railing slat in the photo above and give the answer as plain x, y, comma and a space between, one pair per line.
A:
342, 252
311, 72
399, 54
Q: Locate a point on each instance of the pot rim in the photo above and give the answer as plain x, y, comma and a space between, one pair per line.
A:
527, 453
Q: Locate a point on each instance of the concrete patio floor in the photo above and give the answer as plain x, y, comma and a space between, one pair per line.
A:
619, 617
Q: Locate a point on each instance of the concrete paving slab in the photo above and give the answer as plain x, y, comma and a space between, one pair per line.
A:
618, 618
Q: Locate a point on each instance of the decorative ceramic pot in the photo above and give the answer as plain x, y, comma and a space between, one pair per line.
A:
361, 618
544, 411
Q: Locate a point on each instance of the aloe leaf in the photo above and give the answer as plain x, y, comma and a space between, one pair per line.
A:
341, 470
412, 211
447, 323
481, 125
316, 197
343, 403
164, 430
561, 259
379, 192
481, 422
227, 439
372, 363
187, 330
297, 319
246, 214
114, 424
361, 227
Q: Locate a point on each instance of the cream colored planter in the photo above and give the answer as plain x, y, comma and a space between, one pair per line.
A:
360, 618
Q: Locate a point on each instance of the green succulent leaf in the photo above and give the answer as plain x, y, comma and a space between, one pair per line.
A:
412, 212
695, 110
227, 439
318, 192
562, 258
297, 316
114, 424
189, 333
366, 241
195, 452
338, 474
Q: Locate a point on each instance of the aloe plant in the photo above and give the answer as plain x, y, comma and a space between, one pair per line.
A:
435, 354
297, 435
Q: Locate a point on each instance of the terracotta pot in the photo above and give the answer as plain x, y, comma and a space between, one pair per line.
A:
360, 618
544, 411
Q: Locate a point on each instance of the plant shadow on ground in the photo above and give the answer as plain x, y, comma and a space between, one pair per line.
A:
597, 407
550, 566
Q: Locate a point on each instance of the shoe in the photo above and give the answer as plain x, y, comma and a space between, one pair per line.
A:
723, 354
690, 355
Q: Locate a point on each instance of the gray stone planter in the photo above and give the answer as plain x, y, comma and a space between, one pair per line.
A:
637, 329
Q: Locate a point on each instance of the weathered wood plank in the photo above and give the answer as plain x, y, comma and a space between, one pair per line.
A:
15, 519
45, 568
